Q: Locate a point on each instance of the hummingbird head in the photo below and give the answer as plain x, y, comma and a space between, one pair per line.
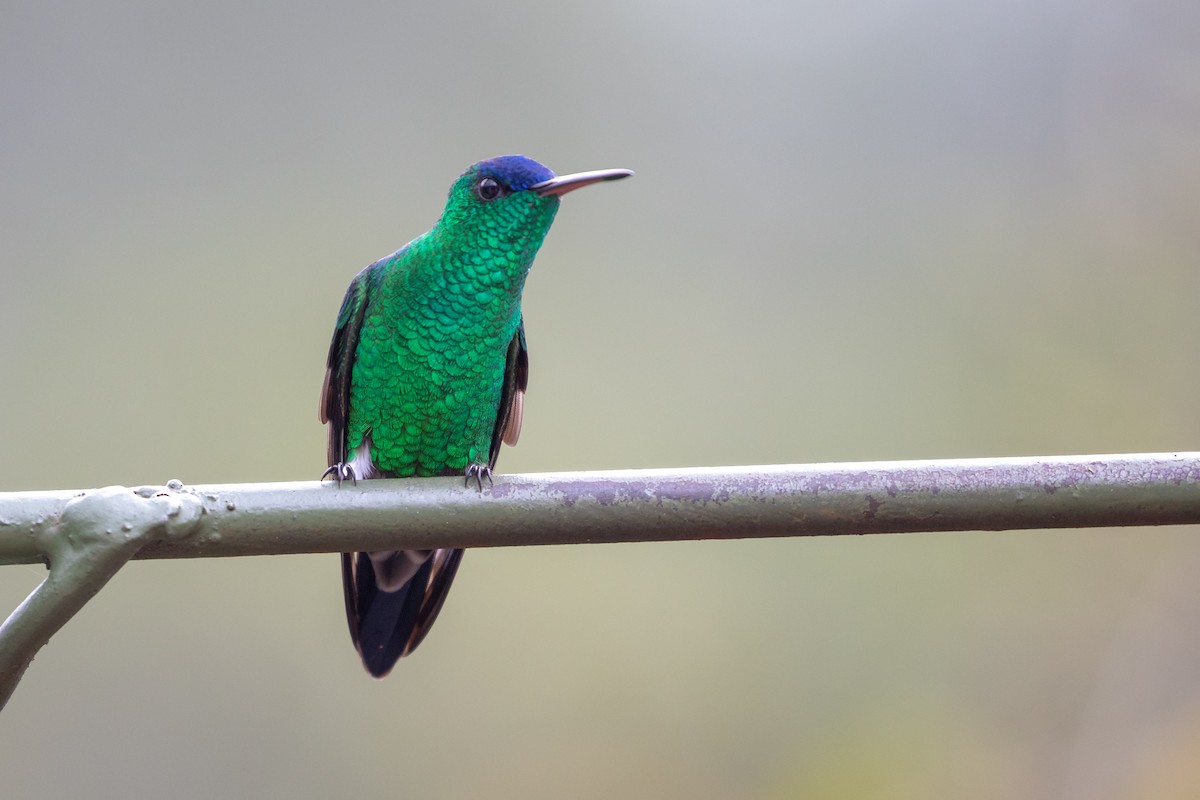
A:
511, 200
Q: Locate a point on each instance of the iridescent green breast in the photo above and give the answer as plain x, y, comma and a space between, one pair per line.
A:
430, 362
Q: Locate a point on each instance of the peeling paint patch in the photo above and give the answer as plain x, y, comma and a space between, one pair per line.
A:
872, 507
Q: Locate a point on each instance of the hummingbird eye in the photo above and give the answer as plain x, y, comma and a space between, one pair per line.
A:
489, 189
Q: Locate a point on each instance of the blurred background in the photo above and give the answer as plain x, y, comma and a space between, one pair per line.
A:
858, 231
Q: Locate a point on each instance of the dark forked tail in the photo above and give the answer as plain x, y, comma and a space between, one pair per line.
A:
386, 625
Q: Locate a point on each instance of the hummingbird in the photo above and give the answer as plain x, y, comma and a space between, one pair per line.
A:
427, 373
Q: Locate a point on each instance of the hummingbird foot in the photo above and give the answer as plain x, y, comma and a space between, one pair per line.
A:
478, 472
341, 472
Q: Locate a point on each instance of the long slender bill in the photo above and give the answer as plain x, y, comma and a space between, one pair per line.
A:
577, 180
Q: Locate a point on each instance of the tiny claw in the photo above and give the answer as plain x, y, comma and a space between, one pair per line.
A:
478, 472
340, 472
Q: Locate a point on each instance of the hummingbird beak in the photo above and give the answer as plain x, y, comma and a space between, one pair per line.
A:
577, 180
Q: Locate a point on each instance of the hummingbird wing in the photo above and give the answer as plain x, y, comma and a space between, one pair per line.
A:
334, 407
512, 396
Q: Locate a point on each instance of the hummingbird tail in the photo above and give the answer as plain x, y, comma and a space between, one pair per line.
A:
385, 623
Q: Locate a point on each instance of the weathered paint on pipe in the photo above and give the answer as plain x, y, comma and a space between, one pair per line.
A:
93, 537
667, 504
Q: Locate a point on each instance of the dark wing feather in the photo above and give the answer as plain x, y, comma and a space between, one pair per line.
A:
512, 396
335, 391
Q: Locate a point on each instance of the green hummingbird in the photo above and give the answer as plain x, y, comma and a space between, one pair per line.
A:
427, 373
